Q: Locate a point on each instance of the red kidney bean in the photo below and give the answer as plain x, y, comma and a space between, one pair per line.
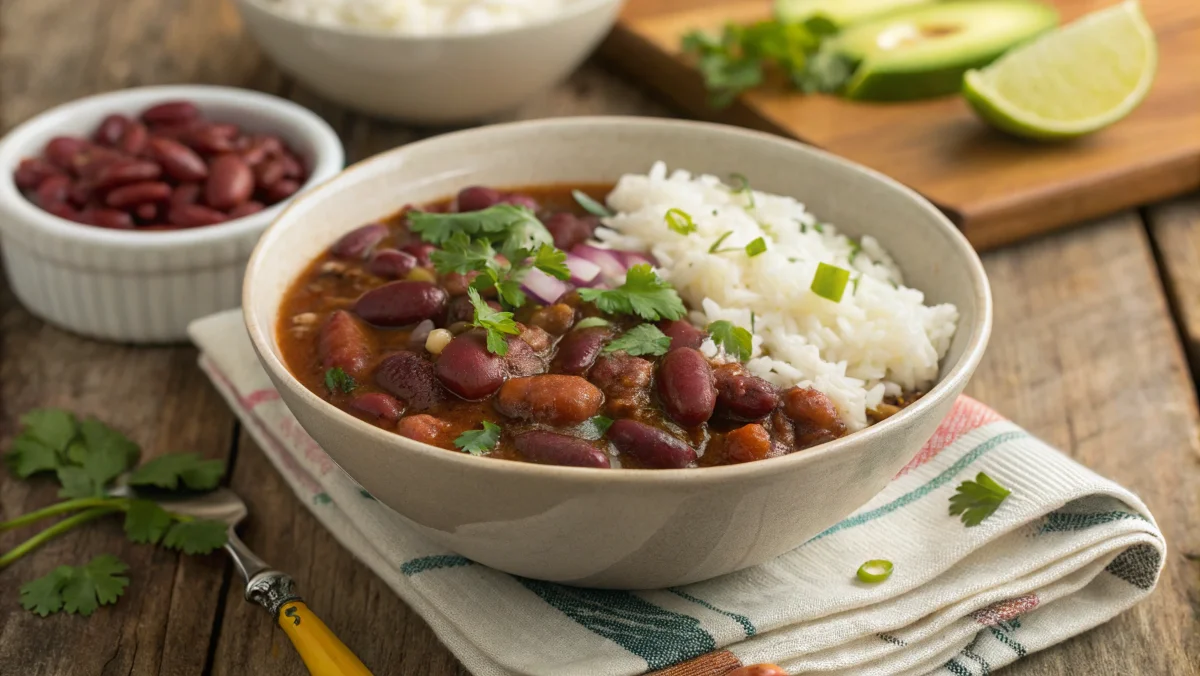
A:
138, 193
93, 160
171, 112
125, 171
412, 378
194, 216
568, 230
185, 193
62, 150
682, 333
212, 138
651, 446
534, 336
401, 303
456, 283
420, 251
133, 139
519, 200
53, 190
110, 130
393, 264
179, 161
521, 359
476, 198
466, 368
759, 670
108, 218
625, 381
282, 190
427, 429
246, 209
378, 405
63, 210
32, 171
553, 399
579, 349
179, 131
556, 319
268, 173
343, 343
549, 448
685, 385
815, 416
743, 396
230, 183
293, 167
747, 443
146, 212
81, 192
357, 243
260, 148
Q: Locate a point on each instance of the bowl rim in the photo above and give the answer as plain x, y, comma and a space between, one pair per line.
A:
572, 10
958, 374
328, 161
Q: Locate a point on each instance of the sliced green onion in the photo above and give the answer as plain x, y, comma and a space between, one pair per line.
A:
715, 248
589, 322
875, 570
590, 205
756, 247
830, 282
741, 186
680, 221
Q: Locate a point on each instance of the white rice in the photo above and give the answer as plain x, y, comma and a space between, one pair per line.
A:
422, 17
881, 339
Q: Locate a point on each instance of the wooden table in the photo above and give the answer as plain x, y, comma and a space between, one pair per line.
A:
1096, 340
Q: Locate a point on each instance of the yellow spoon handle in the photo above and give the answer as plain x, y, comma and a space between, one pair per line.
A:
323, 653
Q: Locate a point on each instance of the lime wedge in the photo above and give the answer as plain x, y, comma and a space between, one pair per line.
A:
1072, 81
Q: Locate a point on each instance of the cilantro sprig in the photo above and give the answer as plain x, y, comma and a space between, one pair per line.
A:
479, 442
497, 324
643, 339
644, 294
337, 380
738, 342
87, 457
977, 500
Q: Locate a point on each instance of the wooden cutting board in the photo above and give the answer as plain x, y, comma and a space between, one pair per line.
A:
996, 188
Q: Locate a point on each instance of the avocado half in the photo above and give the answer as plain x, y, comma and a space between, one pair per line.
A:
831, 16
924, 51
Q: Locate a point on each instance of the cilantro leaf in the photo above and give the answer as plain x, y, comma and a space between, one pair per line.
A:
601, 423
44, 594
680, 221
28, 456
738, 342
643, 294
977, 500
590, 205
53, 427
199, 536
76, 589
109, 453
462, 254
145, 521
337, 380
756, 247
589, 322
552, 262
502, 222
479, 442
737, 60
166, 471
510, 293
642, 339
77, 483
496, 323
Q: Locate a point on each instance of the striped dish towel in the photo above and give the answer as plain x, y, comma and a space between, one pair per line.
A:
1066, 551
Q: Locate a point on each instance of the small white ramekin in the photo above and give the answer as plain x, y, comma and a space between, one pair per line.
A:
142, 287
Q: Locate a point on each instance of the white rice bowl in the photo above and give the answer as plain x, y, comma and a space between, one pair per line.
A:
879, 340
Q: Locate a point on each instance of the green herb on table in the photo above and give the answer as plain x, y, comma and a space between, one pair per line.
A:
875, 571
830, 282
756, 247
337, 380
590, 205
679, 221
644, 294
737, 342
643, 339
76, 589
479, 442
589, 322
977, 500
739, 58
497, 324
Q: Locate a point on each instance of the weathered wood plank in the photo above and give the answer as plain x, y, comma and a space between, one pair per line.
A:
1085, 355
1175, 231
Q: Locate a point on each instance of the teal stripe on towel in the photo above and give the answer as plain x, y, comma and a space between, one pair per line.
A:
1059, 522
932, 485
425, 563
747, 625
655, 634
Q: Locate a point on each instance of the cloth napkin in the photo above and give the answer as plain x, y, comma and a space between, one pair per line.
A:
1067, 551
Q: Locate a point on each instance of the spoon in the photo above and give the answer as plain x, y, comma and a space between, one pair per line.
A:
323, 653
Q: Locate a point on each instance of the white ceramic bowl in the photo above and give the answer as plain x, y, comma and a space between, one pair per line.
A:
142, 287
622, 528
432, 79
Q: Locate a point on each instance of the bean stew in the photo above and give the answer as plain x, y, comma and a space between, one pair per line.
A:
467, 325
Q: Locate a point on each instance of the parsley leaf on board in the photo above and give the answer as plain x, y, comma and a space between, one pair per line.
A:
644, 294
642, 339
145, 521
28, 456
76, 589
479, 442
590, 205
737, 60
589, 322
77, 483
199, 536
756, 247
44, 594
167, 471
738, 342
53, 427
496, 323
337, 380
109, 453
680, 221
977, 500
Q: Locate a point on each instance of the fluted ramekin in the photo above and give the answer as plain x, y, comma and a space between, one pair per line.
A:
131, 286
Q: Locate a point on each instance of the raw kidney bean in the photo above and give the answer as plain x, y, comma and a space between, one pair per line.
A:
292, 166
268, 173
815, 417
579, 349
519, 200
521, 360
558, 449
246, 209
549, 399
379, 405
420, 251
410, 377
171, 112
133, 139
685, 385
110, 130
467, 369
81, 192
682, 333
743, 396
138, 193
401, 303
343, 344
392, 264
185, 193
63, 210
357, 243
259, 148
125, 171
759, 670
651, 446
282, 190
179, 161
108, 218
32, 171
567, 229
62, 150
146, 212
53, 190
477, 198
196, 215
93, 160
212, 138
747, 443
428, 430
230, 183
